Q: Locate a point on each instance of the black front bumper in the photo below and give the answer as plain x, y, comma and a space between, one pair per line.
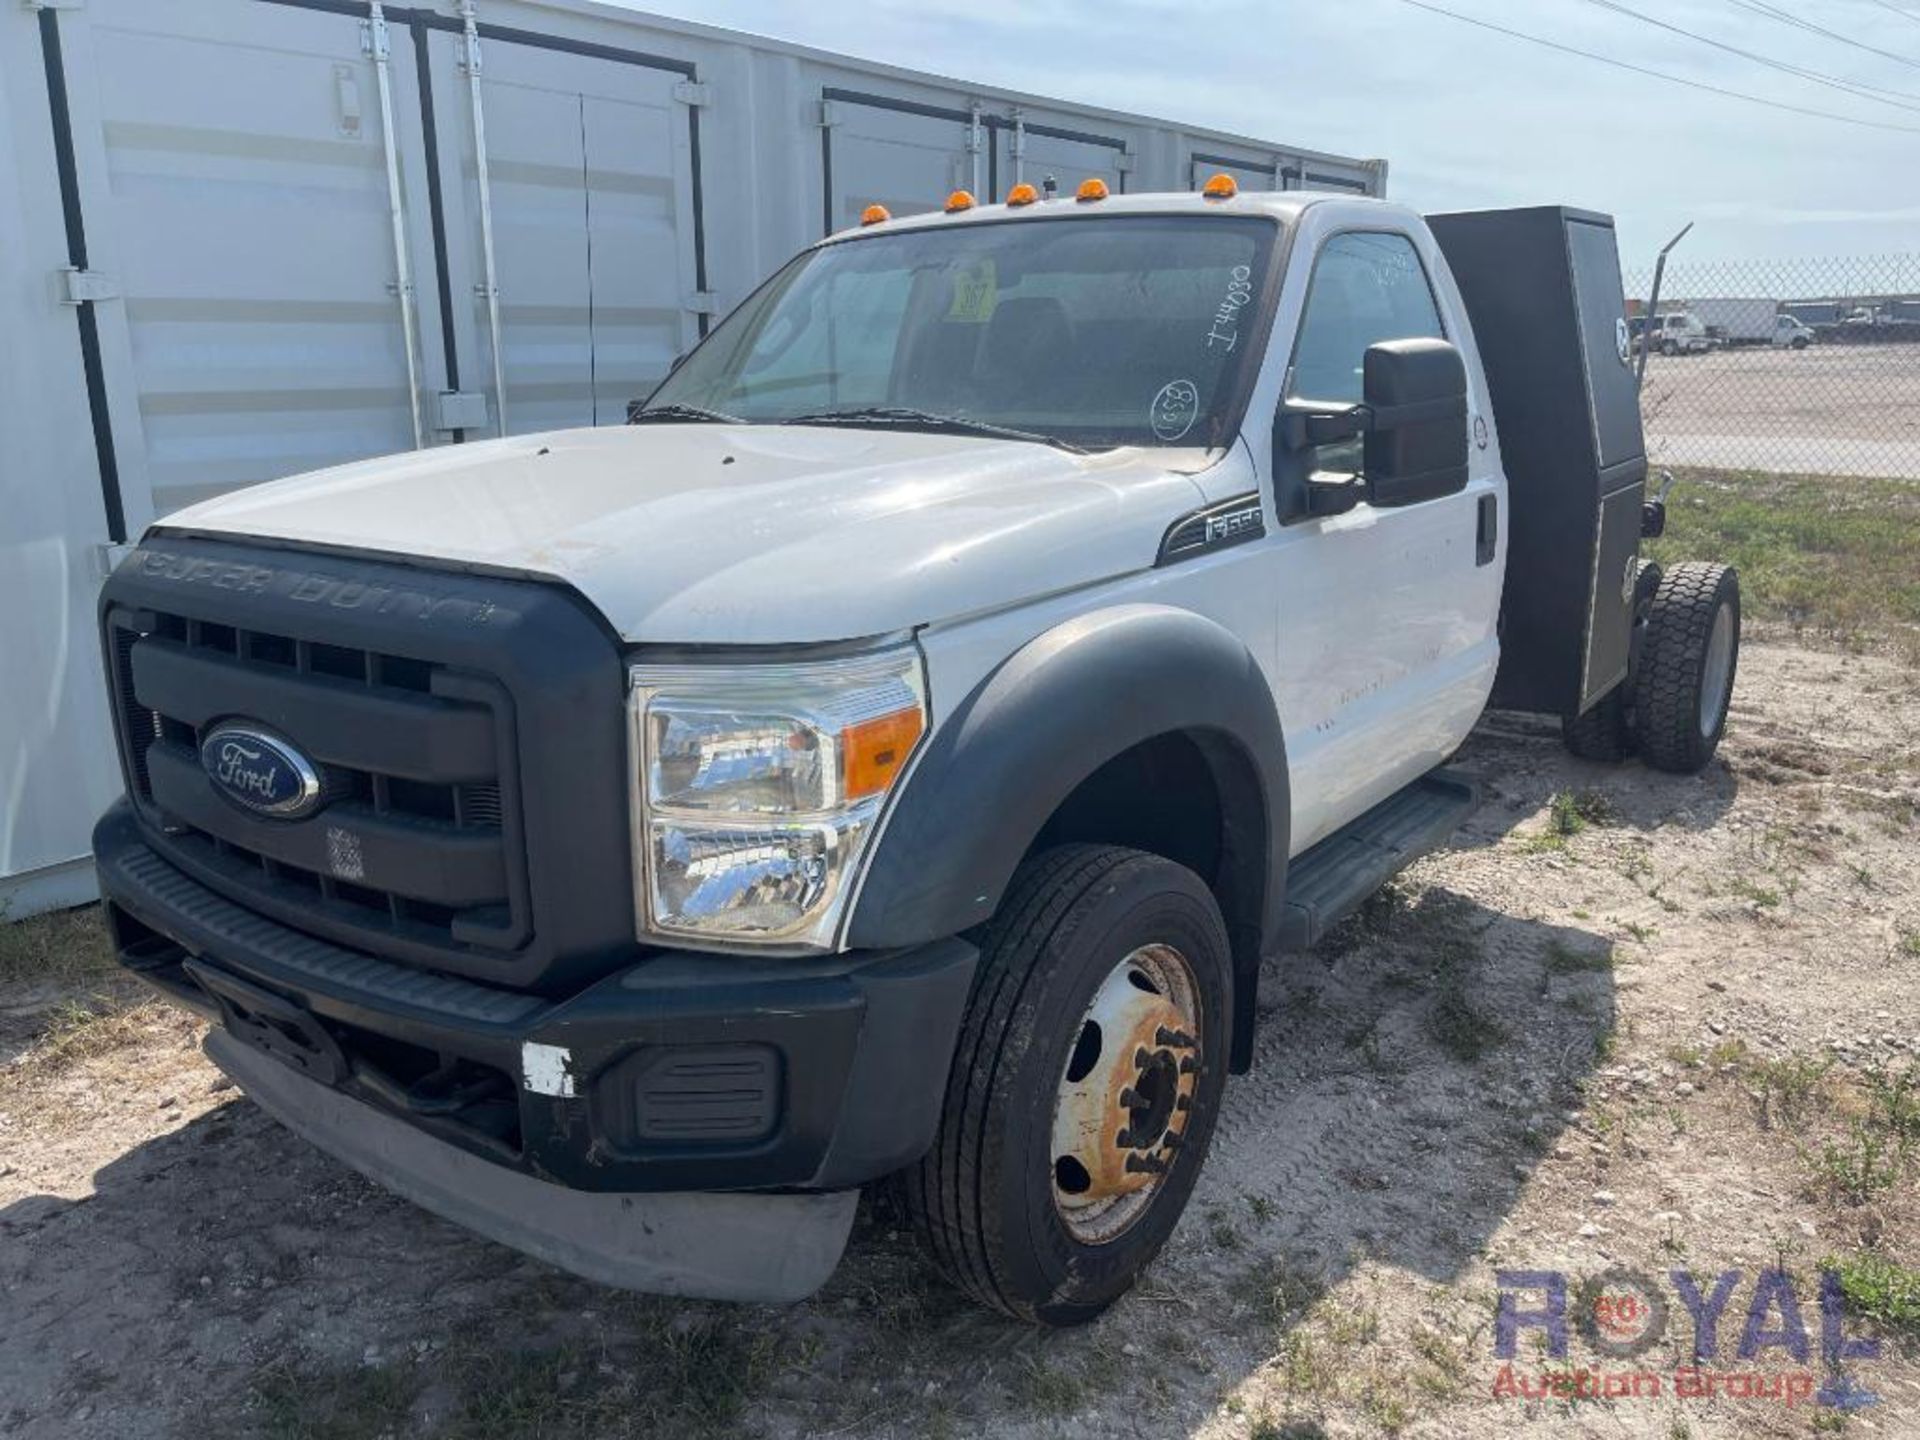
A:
681, 1072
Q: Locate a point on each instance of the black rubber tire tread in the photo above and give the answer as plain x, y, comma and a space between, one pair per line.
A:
1667, 707
948, 1194
1605, 733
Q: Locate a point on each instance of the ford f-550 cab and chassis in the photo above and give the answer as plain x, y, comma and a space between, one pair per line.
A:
896, 755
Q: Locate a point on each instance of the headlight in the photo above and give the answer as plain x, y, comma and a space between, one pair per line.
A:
758, 787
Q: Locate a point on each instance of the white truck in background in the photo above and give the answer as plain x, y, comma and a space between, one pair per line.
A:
1757, 320
899, 754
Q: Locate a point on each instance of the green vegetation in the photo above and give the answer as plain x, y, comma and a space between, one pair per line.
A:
1836, 556
1880, 1290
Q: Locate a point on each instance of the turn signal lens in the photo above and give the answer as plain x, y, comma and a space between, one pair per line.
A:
1094, 189
875, 215
959, 200
1022, 194
1220, 187
873, 751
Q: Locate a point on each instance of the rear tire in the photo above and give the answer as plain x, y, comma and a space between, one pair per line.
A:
1690, 657
1605, 732
1004, 1201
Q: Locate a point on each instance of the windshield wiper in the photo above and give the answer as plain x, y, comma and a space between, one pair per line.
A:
685, 413
905, 417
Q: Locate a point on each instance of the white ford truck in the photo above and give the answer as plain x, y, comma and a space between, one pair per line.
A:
899, 754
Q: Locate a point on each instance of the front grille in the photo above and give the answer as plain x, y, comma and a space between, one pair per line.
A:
415, 852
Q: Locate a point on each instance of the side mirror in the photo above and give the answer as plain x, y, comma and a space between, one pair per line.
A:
1416, 434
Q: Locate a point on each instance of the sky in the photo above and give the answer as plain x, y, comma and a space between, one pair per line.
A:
1470, 118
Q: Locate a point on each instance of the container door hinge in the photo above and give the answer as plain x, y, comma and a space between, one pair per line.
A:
52, 4
84, 287
1124, 162
375, 42
701, 302
694, 93
829, 115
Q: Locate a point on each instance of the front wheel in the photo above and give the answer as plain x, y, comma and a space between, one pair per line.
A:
1084, 1087
1690, 655
1669, 347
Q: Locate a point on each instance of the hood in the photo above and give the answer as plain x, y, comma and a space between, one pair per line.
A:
745, 534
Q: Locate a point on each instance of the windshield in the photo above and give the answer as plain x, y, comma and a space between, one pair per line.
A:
1123, 330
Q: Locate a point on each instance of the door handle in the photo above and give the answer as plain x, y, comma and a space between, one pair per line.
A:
1487, 533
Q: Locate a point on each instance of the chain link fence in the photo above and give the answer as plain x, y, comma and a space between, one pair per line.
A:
1806, 367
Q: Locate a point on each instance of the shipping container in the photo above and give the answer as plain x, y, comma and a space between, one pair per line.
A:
248, 238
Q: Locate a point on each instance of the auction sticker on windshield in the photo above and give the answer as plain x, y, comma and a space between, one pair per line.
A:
1175, 409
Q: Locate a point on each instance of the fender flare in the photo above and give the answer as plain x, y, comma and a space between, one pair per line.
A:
1059, 708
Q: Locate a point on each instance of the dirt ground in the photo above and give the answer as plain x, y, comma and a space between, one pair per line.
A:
1831, 409
1629, 1021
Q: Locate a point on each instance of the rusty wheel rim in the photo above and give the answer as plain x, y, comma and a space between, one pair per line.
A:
1126, 1094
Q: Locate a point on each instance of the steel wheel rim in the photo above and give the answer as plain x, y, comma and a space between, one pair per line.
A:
1716, 676
1126, 1094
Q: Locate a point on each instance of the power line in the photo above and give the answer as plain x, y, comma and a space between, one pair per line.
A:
1773, 12
1898, 10
1864, 92
1660, 74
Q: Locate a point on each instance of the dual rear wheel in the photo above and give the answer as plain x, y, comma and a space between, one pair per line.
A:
1672, 708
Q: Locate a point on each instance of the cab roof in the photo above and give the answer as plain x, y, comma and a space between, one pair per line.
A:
1285, 206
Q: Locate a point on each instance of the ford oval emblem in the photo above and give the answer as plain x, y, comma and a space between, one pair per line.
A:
259, 771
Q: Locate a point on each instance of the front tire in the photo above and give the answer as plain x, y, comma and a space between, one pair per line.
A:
1690, 658
1085, 1084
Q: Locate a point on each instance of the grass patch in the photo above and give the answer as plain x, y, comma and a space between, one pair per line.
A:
1564, 959
67, 948
1840, 557
342, 1403
1880, 1290
1280, 1291
1047, 1388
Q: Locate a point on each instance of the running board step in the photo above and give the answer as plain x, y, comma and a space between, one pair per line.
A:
1331, 880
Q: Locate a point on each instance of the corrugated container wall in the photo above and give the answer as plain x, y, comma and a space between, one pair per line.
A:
242, 239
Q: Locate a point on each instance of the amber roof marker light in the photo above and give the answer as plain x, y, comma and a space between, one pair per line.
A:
959, 200
875, 215
1220, 187
1022, 194
1093, 189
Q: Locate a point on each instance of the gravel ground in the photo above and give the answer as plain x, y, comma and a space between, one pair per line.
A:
1628, 1021
1826, 410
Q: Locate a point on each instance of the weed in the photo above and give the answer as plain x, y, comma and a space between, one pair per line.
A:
1909, 940
1565, 959
1225, 1234
1280, 1291
1048, 1389
1642, 933
1261, 1208
1789, 1084
1893, 1103
1690, 1057
335, 1403
1862, 1166
1880, 1290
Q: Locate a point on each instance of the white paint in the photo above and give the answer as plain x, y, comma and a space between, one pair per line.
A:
544, 1069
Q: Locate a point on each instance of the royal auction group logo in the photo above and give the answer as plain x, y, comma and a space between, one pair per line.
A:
1622, 1314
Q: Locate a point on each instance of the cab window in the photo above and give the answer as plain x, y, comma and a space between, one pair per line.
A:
1367, 286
